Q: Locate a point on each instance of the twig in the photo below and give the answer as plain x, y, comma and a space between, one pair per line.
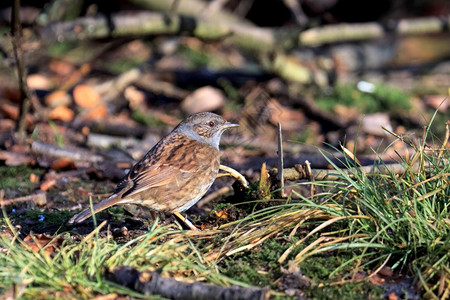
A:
15, 158
25, 96
212, 8
296, 9
75, 154
241, 33
159, 87
152, 283
280, 175
39, 198
299, 172
112, 88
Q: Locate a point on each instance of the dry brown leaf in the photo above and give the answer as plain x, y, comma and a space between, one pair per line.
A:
289, 119
82, 191
98, 112
46, 185
206, 98
392, 296
62, 163
12, 112
34, 178
134, 96
377, 280
386, 271
61, 68
39, 241
85, 96
222, 214
38, 82
440, 102
107, 297
15, 158
57, 98
62, 113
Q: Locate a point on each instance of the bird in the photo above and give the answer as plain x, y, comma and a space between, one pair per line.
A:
175, 173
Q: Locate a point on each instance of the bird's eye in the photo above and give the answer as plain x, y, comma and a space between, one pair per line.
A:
211, 124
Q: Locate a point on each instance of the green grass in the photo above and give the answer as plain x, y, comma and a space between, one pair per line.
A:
17, 178
383, 98
337, 239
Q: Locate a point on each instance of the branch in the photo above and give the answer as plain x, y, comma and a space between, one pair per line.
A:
299, 172
39, 198
150, 23
365, 31
245, 35
152, 283
25, 96
75, 154
268, 44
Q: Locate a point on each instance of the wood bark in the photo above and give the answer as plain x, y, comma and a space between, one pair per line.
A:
152, 283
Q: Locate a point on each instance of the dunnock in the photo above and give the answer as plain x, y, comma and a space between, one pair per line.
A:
175, 173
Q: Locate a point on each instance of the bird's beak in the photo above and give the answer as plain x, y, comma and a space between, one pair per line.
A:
229, 125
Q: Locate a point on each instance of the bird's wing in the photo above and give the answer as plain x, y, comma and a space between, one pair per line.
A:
163, 165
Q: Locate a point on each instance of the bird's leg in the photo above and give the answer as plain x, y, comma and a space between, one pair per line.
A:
152, 214
233, 173
186, 221
154, 218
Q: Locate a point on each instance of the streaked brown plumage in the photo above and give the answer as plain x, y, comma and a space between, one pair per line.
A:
176, 172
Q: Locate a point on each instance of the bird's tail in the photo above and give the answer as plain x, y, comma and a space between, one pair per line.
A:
105, 203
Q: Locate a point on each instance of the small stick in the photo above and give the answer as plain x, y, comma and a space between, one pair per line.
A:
233, 173
280, 175
76, 154
152, 283
39, 199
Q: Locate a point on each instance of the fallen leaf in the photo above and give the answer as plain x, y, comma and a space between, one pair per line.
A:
46, 185
386, 271
85, 96
62, 163
134, 96
12, 112
392, 296
57, 98
106, 297
98, 112
39, 241
15, 158
83, 192
34, 178
440, 102
377, 280
222, 214
61, 68
289, 119
372, 124
203, 99
38, 82
62, 113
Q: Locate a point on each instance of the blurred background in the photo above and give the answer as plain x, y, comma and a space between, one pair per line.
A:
125, 72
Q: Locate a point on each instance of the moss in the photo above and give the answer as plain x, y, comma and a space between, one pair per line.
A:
123, 64
362, 290
319, 268
145, 119
258, 266
42, 220
17, 178
383, 98
244, 271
